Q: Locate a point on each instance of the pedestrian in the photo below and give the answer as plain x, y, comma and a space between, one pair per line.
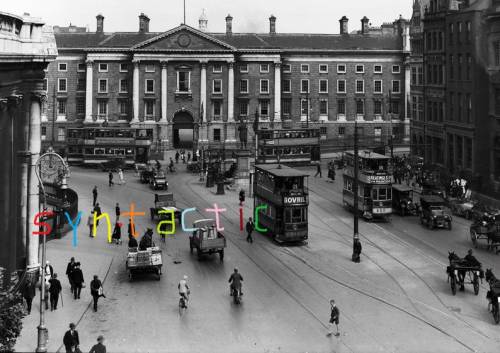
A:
189, 156
29, 293
242, 197
183, 157
131, 229
69, 269
356, 253
94, 194
99, 347
71, 340
96, 290
55, 290
78, 281
334, 318
98, 211
249, 228
318, 170
121, 178
132, 242
177, 155
110, 177
117, 233
117, 211
48, 271
90, 222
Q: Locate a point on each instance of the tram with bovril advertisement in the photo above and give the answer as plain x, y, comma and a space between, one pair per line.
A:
374, 185
281, 202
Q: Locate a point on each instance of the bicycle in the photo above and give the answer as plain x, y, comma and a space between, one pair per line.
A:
183, 303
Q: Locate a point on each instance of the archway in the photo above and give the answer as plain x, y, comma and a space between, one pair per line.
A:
183, 130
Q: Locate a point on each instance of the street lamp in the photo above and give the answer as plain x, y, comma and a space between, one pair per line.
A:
355, 191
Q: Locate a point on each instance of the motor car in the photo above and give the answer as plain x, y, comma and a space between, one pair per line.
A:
432, 213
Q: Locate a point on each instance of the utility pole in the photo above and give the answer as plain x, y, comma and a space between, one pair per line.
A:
184, 12
355, 187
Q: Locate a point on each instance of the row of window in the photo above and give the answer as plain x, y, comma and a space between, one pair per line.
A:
460, 107
458, 68
455, 32
359, 86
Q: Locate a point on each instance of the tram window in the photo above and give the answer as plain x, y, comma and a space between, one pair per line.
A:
120, 151
129, 151
89, 151
99, 151
110, 150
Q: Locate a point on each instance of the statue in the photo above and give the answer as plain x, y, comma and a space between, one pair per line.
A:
243, 134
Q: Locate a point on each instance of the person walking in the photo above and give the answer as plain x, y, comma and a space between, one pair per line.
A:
356, 254
90, 222
71, 340
94, 195
117, 233
55, 289
110, 178
249, 228
121, 178
117, 211
69, 269
131, 229
48, 271
99, 347
77, 278
189, 157
29, 293
132, 242
96, 290
177, 155
318, 170
98, 211
334, 318
242, 197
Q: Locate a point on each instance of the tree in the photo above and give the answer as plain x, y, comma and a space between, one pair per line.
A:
11, 314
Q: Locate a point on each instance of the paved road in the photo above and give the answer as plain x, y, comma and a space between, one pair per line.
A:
396, 300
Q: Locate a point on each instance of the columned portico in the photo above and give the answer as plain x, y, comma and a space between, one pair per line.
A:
135, 93
89, 92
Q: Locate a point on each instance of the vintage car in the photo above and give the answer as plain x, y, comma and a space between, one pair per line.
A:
164, 202
206, 239
461, 207
432, 212
158, 180
402, 200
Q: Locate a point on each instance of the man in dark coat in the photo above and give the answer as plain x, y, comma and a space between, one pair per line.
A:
117, 211
29, 293
55, 289
99, 347
146, 240
356, 256
71, 340
94, 194
177, 155
110, 177
235, 279
318, 170
131, 229
132, 242
249, 228
96, 290
98, 212
69, 269
77, 277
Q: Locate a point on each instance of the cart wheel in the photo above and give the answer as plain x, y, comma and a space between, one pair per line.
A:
221, 255
453, 284
473, 237
476, 284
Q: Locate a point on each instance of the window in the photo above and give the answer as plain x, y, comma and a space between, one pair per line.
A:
396, 69
217, 68
123, 107
460, 107
377, 131
420, 75
286, 106
244, 68
123, 85
62, 67
61, 107
103, 67
377, 86
396, 86
44, 133
123, 68
341, 69
323, 86
287, 86
183, 81
468, 101
80, 106
450, 32
264, 108
468, 67
304, 107
80, 84
102, 107
304, 68
243, 86
413, 79
459, 32
467, 31
496, 49
377, 69
340, 86
264, 68
149, 109
103, 85
61, 85
323, 107
264, 86
341, 106
287, 68
377, 107
217, 135
61, 134
217, 109
150, 68
360, 86
243, 108
149, 86
323, 68
323, 130
81, 67
360, 69
360, 107
395, 107
217, 86
452, 69
304, 86
45, 84
342, 131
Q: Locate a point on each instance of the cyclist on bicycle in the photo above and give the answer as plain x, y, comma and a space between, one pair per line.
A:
184, 289
235, 281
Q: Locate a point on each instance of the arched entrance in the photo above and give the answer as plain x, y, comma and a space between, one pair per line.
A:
183, 130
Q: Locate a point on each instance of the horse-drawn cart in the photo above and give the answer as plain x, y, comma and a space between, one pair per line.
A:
146, 261
461, 271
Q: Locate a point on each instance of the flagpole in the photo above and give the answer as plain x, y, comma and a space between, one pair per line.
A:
184, 11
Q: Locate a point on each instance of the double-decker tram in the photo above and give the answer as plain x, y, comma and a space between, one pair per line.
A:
291, 146
374, 185
281, 200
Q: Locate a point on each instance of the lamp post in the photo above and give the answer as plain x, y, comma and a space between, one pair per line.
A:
256, 132
355, 190
391, 141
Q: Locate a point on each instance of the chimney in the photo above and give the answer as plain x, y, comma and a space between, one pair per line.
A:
100, 23
343, 25
229, 25
364, 25
272, 25
143, 23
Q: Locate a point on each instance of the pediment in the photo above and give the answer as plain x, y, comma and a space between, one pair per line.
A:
184, 38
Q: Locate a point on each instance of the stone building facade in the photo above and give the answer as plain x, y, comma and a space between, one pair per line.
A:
188, 87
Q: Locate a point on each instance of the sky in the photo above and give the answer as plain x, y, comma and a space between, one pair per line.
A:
312, 16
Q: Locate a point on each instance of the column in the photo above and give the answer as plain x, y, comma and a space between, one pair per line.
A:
407, 91
230, 93
277, 92
89, 92
135, 93
203, 132
163, 91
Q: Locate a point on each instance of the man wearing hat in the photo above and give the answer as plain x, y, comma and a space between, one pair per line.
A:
71, 340
99, 347
77, 278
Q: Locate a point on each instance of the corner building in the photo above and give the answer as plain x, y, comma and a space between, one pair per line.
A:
154, 89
